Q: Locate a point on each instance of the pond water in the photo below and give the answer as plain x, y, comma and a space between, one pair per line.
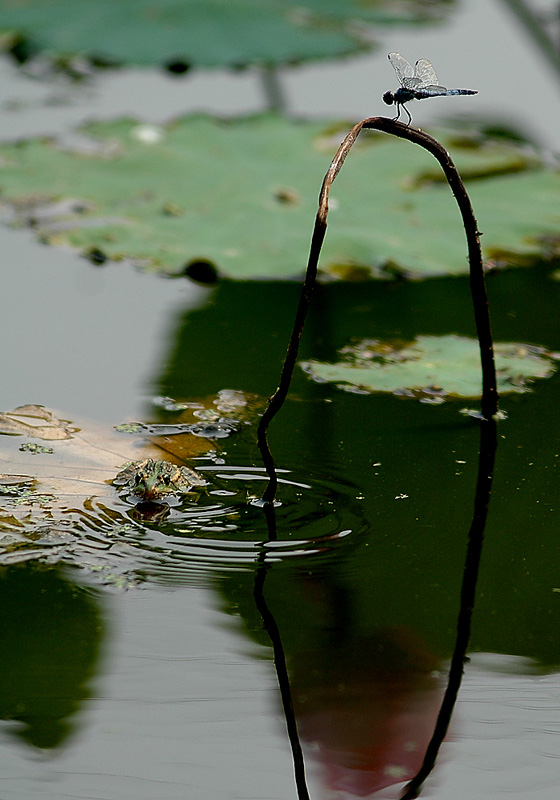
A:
144, 656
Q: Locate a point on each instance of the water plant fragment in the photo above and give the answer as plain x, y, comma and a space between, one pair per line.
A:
37, 421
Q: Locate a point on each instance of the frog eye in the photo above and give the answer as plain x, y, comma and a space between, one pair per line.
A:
167, 480
138, 478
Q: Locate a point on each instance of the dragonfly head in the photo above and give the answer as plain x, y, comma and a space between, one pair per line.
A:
389, 98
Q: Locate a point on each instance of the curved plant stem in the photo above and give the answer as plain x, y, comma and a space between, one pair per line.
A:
277, 400
478, 287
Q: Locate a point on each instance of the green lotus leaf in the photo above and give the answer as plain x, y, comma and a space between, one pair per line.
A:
203, 32
432, 368
241, 196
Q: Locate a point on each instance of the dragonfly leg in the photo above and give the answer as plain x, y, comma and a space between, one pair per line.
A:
409, 115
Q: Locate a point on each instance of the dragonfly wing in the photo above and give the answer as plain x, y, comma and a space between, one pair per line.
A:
425, 72
433, 90
402, 67
413, 83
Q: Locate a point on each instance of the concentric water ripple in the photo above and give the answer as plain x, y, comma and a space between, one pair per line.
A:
122, 542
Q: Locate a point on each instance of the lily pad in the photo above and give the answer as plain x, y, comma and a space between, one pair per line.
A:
432, 368
242, 196
203, 32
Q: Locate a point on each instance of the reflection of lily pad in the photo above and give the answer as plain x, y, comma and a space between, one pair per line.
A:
203, 32
51, 635
203, 189
432, 367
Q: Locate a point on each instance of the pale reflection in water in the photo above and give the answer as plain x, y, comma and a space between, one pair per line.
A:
366, 707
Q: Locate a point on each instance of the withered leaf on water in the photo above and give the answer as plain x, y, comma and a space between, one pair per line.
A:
36, 421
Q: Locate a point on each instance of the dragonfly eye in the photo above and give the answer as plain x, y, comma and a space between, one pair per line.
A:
389, 98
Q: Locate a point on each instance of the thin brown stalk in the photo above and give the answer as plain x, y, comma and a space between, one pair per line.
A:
476, 272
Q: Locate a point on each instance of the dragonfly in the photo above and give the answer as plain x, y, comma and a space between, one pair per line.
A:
416, 83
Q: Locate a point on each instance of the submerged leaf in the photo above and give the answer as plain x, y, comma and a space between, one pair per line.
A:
431, 368
35, 421
228, 184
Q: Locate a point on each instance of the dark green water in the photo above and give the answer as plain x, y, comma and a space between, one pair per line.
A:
137, 655
411, 548
363, 582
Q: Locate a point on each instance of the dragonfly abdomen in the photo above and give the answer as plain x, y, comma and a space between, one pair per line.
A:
461, 91
439, 91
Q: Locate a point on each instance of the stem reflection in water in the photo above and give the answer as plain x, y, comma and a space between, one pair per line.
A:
271, 628
362, 700
488, 444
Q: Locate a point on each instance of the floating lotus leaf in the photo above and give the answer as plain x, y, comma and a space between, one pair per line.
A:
203, 32
242, 196
432, 367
